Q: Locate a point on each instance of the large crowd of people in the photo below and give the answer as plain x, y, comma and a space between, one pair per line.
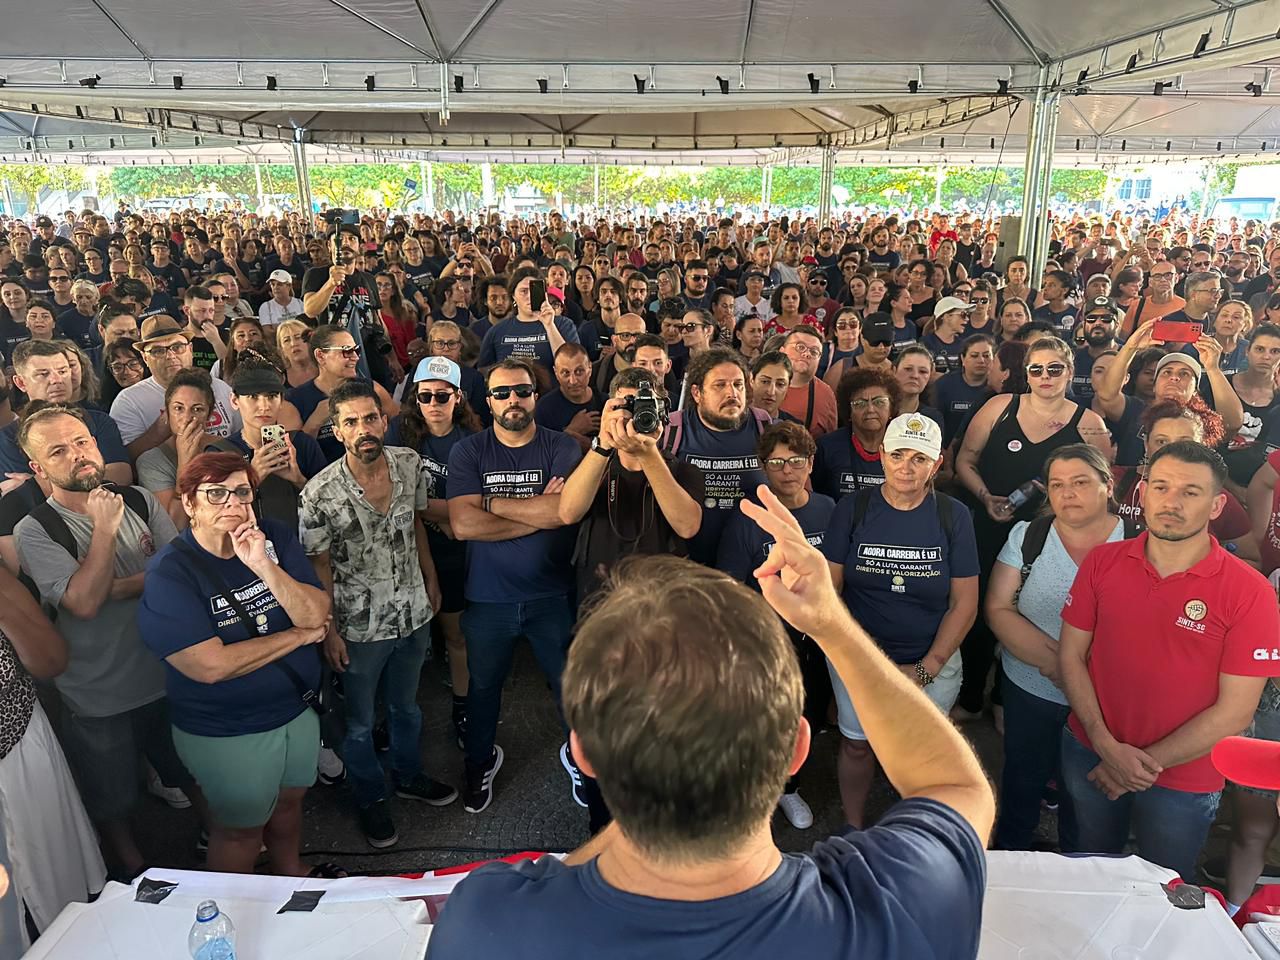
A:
258, 470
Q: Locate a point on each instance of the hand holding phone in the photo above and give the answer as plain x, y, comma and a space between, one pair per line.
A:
1176, 331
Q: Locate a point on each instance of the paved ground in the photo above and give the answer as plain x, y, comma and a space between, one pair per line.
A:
532, 808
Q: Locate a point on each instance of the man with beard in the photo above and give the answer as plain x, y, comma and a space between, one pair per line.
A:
716, 432
497, 300
504, 499
638, 300
697, 295
1235, 281
1101, 320
1202, 641
597, 332
86, 548
361, 522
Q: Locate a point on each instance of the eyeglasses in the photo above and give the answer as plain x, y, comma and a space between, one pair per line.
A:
689, 327
804, 351
819, 281
847, 325
124, 366
157, 353
436, 396
880, 403
777, 463
218, 299
220, 495
1216, 291
697, 276
522, 390
978, 301
1040, 369
348, 353
445, 344
53, 279
626, 336
1162, 275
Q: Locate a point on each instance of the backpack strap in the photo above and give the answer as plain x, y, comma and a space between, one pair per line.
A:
861, 503
1033, 541
58, 531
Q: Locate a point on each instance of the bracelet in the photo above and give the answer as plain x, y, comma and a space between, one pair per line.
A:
923, 676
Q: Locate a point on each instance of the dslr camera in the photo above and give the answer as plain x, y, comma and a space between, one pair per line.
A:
648, 410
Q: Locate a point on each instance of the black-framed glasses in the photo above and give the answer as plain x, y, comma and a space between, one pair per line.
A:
445, 344
1040, 369
124, 366
59, 279
820, 281
626, 335
847, 325
348, 353
978, 301
697, 276
219, 299
428, 397
522, 390
219, 495
689, 327
777, 463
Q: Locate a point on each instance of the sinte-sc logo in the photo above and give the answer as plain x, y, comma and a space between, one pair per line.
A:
1196, 610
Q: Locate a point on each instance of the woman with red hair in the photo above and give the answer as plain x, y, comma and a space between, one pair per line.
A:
236, 612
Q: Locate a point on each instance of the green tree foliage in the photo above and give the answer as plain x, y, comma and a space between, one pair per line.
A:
28, 179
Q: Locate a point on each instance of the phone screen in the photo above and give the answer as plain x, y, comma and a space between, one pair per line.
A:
537, 294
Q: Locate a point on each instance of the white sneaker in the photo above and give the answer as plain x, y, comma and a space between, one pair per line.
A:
796, 811
173, 796
330, 767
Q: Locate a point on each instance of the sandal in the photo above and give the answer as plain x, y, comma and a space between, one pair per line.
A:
326, 871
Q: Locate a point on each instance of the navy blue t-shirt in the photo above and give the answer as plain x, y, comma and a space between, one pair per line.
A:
744, 545
1064, 320
839, 469
955, 398
79, 329
435, 451
730, 470
516, 338
537, 565
311, 459
101, 427
180, 607
306, 398
898, 567
946, 356
554, 410
909, 888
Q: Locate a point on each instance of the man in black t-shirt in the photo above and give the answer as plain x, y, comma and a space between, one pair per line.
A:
573, 407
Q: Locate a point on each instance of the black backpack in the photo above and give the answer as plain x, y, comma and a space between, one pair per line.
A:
60, 533
946, 510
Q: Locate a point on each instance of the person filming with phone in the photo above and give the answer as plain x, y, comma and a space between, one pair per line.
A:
535, 333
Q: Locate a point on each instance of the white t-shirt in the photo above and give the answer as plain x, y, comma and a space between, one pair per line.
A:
272, 313
137, 407
742, 307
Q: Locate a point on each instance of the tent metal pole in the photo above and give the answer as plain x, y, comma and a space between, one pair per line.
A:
299, 149
257, 178
431, 187
1026, 236
1052, 106
824, 188
422, 184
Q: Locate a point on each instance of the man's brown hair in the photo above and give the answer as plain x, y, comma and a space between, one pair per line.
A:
686, 696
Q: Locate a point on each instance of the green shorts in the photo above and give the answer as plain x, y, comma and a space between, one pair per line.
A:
242, 776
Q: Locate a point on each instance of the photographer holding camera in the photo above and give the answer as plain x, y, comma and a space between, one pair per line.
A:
343, 295
630, 497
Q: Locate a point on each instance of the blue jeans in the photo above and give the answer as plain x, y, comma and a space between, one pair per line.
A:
390, 668
1032, 757
1171, 825
492, 631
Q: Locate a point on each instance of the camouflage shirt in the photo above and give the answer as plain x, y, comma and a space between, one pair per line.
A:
378, 593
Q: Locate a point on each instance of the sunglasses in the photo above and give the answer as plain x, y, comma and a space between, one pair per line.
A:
818, 281
981, 300
847, 325
1040, 369
689, 327
348, 353
428, 397
522, 390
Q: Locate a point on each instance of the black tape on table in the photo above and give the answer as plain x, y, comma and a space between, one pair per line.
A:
1184, 896
302, 901
153, 891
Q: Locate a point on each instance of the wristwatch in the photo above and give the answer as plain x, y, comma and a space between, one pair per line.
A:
600, 448
923, 676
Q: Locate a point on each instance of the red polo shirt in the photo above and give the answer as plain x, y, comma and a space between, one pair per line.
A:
1159, 644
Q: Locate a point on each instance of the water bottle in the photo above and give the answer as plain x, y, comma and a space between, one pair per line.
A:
1029, 491
213, 935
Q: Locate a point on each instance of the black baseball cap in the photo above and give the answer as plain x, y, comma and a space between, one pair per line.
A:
1098, 304
877, 328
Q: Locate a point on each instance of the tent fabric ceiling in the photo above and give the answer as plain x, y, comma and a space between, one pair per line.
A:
590, 56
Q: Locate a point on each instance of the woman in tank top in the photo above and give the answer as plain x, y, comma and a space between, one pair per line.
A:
1004, 449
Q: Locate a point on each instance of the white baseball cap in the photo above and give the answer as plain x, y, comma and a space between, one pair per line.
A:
913, 431
280, 276
950, 303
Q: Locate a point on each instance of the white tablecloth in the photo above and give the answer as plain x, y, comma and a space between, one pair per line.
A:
1038, 907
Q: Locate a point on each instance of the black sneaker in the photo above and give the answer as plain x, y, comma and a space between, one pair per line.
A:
429, 791
480, 783
460, 721
575, 775
381, 737
379, 829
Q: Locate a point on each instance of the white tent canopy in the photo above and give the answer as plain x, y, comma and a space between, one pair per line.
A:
732, 78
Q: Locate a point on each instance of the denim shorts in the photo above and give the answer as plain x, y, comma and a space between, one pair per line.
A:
943, 692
